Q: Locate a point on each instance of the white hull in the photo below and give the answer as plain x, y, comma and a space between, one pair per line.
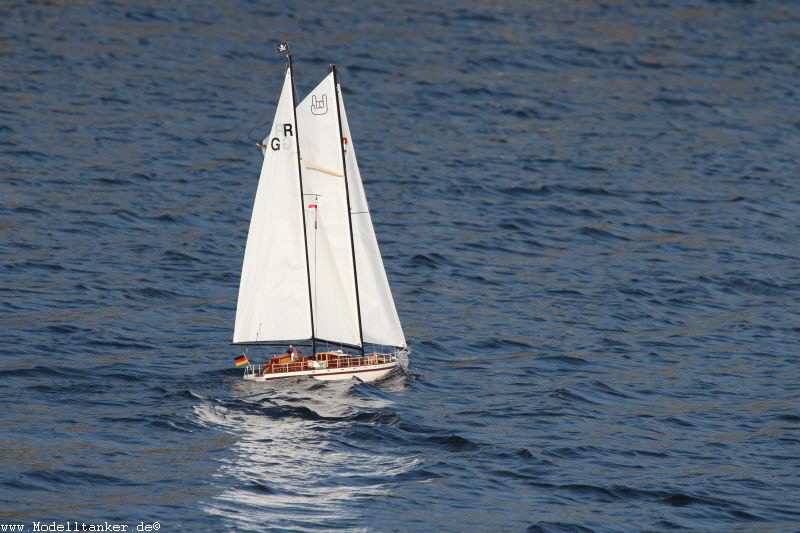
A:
363, 372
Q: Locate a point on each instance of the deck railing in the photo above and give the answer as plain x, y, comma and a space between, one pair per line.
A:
325, 360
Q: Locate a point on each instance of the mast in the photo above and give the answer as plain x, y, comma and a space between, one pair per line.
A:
349, 210
284, 47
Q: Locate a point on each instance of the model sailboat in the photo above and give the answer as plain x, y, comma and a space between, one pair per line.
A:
312, 272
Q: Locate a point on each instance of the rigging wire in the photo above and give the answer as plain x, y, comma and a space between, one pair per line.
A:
257, 140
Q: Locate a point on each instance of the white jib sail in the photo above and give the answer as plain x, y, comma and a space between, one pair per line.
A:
273, 292
325, 202
379, 319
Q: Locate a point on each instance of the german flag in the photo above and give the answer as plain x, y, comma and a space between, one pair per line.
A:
241, 360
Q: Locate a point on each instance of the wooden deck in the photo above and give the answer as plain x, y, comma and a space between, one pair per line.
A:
322, 360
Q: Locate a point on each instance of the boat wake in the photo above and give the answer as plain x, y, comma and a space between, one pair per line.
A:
296, 463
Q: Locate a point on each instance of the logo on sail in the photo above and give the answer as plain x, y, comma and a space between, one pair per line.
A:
319, 106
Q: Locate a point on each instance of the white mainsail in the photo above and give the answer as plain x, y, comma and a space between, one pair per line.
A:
379, 319
273, 293
328, 229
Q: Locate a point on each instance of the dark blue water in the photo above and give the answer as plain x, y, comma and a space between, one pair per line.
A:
590, 218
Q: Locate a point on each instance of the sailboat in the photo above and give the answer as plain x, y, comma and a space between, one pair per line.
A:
312, 273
